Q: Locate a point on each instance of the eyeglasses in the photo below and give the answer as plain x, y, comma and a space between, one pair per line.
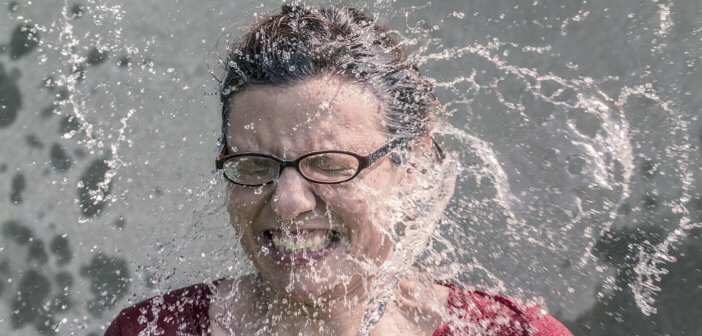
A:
326, 167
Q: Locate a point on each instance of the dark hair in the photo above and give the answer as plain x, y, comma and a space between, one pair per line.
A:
303, 42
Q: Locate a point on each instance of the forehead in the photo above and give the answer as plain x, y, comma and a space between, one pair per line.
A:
317, 114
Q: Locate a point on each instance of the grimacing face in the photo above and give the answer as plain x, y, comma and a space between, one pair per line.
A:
341, 231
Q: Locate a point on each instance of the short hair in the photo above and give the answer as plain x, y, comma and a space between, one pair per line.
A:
303, 42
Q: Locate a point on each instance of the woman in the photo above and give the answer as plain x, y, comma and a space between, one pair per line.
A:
334, 185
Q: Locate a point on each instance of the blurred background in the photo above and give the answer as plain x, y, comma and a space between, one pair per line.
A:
576, 124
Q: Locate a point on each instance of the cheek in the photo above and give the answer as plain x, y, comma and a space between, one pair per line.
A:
363, 210
243, 206
348, 201
368, 198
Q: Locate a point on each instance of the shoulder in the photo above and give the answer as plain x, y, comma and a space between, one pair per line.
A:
183, 310
476, 312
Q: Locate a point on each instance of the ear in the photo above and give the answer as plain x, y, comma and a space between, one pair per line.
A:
422, 150
421, 156
426, 143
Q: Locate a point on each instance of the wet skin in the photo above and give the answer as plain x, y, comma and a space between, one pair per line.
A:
318, 114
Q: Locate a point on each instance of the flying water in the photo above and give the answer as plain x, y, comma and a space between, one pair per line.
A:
571, 141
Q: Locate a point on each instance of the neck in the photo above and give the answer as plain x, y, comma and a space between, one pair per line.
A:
326, 317
248, 306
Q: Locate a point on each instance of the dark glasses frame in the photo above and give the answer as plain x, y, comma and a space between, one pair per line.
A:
364, 161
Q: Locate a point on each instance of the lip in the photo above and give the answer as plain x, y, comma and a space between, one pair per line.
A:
299, 258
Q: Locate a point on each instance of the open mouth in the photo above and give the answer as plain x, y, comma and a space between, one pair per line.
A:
300, 246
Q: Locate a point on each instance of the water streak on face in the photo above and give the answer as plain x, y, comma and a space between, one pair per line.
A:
287, 121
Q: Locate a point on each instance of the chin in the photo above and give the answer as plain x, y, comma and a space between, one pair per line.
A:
313, 281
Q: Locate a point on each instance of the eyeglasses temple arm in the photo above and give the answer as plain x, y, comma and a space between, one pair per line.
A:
382, 151
222, 154
440, 152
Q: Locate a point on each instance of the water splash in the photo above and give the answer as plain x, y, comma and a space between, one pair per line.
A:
550, 155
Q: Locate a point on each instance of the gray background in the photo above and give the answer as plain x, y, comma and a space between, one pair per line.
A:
109, 120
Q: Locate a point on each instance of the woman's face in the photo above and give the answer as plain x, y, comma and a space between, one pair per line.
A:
307, 239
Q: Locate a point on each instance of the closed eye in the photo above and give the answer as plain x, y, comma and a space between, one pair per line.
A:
331, 163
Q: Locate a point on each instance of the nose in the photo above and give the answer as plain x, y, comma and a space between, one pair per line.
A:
293, 195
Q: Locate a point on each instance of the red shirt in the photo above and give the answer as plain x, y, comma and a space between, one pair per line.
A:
185, 312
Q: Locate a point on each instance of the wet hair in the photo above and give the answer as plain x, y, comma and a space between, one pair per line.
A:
302, 42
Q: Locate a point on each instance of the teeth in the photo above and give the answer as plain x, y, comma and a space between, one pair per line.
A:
297, 244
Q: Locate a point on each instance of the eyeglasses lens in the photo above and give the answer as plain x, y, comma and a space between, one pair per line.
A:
251, 170
329, 167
